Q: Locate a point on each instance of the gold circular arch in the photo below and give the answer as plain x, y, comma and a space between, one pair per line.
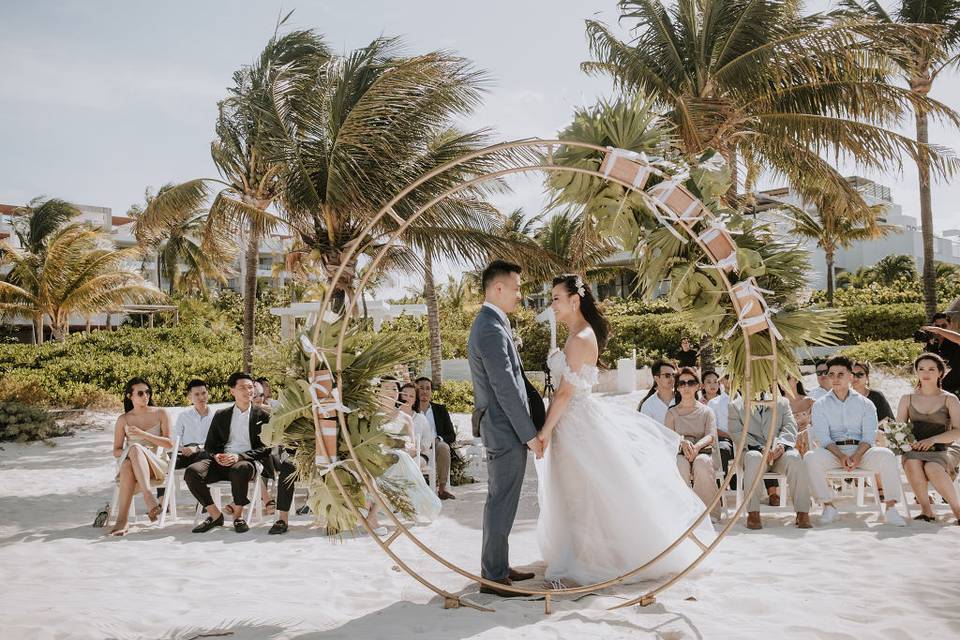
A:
619, 167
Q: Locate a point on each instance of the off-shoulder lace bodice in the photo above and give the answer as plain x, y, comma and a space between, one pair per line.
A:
582, 380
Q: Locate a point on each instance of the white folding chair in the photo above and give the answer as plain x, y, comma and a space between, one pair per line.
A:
781, 485
256, 506
429, 467
861, 478
169, 496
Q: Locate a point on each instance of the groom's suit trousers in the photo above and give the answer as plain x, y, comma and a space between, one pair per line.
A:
505, 469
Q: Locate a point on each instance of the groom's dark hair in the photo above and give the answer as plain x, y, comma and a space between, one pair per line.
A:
496, 269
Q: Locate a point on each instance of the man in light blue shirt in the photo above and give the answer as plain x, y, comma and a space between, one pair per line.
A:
845, 424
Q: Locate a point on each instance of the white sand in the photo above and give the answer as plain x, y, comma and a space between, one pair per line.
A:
61, 578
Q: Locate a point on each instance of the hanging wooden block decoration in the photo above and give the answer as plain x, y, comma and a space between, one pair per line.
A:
683, 206
721, 247
327, 442
627, 166
754, 315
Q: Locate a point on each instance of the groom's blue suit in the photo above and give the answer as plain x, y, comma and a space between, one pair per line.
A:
500, 404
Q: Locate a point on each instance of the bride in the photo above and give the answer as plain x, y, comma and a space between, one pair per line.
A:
611, 498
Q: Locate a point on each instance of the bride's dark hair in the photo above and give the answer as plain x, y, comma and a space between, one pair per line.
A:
574, 284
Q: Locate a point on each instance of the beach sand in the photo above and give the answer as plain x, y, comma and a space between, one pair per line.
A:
61, 578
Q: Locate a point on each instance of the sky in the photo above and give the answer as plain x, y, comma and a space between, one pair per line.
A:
100, 99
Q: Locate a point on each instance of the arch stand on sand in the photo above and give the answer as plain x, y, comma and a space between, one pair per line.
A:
676, 208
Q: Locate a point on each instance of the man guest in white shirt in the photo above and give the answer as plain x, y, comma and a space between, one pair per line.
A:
233, 444
663, 395
445, 436
845, 424
193, 425
823, 381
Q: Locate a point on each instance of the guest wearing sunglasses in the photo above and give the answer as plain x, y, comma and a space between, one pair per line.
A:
662, 394
138, 435
697, 425
823, 381
861, 384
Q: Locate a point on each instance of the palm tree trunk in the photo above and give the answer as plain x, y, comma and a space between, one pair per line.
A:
159, 286
433, 318
929, 276
251, 262
38, 330
829, 254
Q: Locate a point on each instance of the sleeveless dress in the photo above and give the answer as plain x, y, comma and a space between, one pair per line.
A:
949, 456
156, 462
611, 496
406, 473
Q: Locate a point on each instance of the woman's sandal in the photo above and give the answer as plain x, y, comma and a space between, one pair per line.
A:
154, 514
119, 533
270, 507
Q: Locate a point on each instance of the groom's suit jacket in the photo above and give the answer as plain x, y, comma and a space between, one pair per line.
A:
499, 393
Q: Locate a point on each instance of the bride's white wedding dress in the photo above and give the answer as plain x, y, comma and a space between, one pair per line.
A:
611, 497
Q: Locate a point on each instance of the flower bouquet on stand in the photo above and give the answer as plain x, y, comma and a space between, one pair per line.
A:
900, 438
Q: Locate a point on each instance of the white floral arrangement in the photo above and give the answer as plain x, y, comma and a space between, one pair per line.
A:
900, 438
581, 289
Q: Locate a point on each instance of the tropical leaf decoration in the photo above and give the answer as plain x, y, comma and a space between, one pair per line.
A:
291, 426
696, 286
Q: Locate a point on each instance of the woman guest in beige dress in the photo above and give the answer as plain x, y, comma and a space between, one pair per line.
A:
138, 434
935, 416
697, 425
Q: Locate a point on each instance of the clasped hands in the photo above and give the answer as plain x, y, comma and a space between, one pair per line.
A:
851, 462
226, 459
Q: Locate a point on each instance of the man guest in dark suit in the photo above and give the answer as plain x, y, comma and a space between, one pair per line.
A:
445, 435
234, 444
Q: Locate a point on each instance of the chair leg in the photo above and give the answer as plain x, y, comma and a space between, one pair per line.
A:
861, 483
256, 507
114, 507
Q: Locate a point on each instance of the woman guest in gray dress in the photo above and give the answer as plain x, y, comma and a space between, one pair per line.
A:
697, 425
935, 416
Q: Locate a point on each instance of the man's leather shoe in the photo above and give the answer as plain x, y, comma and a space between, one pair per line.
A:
280, 526
446, 495
208, 524
519, 576
240, 525
773, 500
753, 520
803, 521
497, 592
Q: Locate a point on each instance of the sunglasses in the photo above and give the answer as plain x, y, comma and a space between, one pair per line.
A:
668, 375
687, 383
861, 374
141, 393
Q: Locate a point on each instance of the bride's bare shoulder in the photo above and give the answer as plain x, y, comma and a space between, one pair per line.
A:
581, 346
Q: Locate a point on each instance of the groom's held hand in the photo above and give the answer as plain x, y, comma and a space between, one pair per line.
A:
536, 446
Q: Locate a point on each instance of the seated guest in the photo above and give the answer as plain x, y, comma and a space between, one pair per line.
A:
845, 425
268, 399
286, 479
802, 406
663, 394
233, 445
697, 426
422, 435
193, 425
783, 457
405, 470
861, 384
935, 416
717, 401
137, 436
259, 396
445, 436
687, 356
823, 382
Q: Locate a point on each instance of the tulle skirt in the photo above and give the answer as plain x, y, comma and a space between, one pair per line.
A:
611, 497
406, 473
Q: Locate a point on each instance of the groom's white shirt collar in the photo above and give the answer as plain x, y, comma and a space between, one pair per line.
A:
500, 312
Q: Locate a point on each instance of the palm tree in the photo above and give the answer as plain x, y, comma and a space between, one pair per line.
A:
834, 226
947, 271
458, 291
924, 57
862, 277
35, 222
182, 257
249, 183
73, 273
572, 245
892, 268
369, 124
767, 87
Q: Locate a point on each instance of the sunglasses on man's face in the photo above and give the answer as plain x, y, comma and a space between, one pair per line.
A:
141, 393
687, 383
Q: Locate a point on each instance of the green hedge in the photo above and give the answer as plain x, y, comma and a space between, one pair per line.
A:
890, 353
948, 289
20, 422
457, 395
883, 321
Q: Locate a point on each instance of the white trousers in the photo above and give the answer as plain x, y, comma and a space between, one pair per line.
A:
877, 459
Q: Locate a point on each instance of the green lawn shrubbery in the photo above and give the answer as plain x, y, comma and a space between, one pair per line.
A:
883, 321
889, 353
20, 422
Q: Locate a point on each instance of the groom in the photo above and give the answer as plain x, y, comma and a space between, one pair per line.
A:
503, 413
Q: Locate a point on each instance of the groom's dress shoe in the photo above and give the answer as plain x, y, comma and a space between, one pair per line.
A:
497, 592
208, 524
753, 520
519, 576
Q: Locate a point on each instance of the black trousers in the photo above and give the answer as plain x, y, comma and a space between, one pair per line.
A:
286, 477
205, 472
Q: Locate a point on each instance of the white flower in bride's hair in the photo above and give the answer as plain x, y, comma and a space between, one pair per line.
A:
581, 289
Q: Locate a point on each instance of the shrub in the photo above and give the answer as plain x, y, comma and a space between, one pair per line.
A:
890, 353
883, 321
899, 293
20, 422
620, 307
457, 395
